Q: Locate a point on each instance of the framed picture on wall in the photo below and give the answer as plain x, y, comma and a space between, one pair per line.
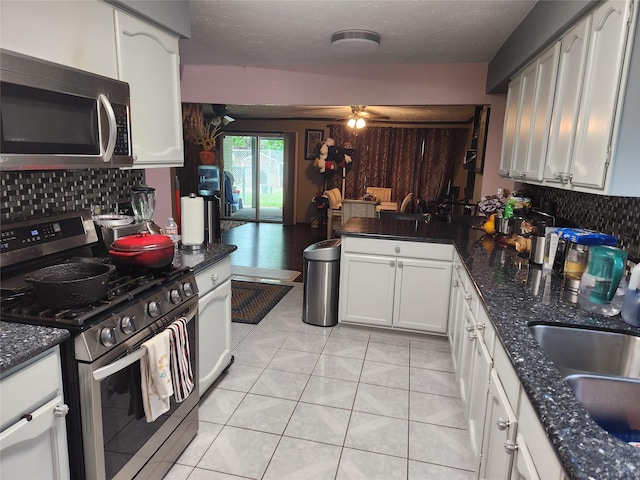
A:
311, 140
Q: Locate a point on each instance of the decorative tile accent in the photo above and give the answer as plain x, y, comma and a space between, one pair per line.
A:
618, 216
25, 194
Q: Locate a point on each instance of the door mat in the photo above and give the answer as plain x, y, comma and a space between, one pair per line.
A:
250, 301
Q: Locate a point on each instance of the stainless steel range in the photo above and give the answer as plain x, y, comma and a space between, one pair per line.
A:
109, 437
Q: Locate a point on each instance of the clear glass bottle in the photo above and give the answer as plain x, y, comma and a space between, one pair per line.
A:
171, 230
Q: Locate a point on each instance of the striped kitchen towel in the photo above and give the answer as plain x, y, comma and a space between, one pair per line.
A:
181, 372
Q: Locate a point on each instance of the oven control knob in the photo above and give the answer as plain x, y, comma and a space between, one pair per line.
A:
154, 309
188, 289
108, 337
176, 298
126, 324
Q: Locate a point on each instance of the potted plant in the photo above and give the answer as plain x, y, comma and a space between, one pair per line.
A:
204, 134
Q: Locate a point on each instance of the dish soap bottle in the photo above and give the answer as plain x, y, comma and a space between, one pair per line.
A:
171, 230
631, 305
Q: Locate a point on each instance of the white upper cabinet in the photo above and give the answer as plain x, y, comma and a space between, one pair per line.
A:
76, 34
573, 53
529, 106
149, 61
600, 92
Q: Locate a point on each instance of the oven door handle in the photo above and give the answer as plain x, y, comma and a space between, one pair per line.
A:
120, 364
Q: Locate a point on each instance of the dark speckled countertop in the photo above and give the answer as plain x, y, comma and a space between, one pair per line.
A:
20, 342
516, 294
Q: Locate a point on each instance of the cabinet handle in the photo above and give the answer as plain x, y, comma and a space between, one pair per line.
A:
458, 266
469, 328
481, 326
523, 175
61, 410
214, 277
510, 447
468, 297
456, 283
397, 249
472, 337
503, 424
400, 264
392, 263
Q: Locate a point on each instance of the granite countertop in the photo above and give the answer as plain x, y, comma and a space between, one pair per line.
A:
201, 259
516, 294
20, 342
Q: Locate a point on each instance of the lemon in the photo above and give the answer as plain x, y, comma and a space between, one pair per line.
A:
489, 227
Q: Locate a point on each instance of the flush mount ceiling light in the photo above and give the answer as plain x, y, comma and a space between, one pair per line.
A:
355, 41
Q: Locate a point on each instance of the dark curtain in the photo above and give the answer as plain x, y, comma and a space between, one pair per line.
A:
408, 160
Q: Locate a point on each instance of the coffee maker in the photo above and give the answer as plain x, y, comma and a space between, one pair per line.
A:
209, 189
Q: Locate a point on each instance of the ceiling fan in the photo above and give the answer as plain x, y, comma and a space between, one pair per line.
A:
358, 116
217, 113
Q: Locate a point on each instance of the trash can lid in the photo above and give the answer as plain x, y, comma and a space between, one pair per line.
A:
325, 250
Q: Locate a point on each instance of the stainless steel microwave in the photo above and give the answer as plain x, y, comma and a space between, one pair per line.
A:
54, 117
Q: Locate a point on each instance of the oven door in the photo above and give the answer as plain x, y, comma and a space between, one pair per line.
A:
118, 441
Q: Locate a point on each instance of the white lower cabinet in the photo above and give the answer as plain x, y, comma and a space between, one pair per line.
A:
33, 435
506, 437
214, 336
395, 284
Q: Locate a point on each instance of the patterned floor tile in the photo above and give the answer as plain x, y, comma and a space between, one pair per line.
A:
432, 359
305, 342
280, 384
318, 423
254, 355
331, 392
440, 445
390, 402
265, 414
422, 471
377, 434
432, 381
239, 377
345, 347
302, 459
437, 409
393, 354
218, 405
338, 367
360, 465
293, 361
386, 375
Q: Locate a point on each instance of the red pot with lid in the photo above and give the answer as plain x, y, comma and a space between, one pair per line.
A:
143, 250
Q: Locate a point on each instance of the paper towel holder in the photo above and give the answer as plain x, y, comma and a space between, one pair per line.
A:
191, 247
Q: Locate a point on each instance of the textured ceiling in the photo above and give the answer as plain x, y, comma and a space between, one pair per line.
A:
272, 33
298, 32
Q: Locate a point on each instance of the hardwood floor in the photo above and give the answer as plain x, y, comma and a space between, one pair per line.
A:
268, 245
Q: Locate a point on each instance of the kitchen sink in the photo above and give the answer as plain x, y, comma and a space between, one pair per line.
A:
612, 402
576, 350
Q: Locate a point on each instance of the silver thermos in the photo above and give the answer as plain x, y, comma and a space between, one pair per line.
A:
538, 240
212, 232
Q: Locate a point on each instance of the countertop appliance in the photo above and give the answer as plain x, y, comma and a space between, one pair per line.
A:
101, 360
57, 117
209, 189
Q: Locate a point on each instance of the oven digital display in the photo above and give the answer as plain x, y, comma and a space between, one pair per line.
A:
23, 237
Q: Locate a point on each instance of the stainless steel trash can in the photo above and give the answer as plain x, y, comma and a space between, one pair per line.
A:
321, 278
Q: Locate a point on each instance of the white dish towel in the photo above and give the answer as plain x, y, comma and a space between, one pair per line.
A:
181, 372
155, 371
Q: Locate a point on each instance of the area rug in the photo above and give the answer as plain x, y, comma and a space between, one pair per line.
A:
229, 224
263, 275
251, 301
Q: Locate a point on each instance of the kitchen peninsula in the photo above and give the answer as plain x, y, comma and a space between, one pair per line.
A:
540, 422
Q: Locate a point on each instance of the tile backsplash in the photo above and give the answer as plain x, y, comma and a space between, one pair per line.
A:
26, 194
618, 216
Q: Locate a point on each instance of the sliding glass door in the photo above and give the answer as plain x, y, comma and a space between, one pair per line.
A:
253, 177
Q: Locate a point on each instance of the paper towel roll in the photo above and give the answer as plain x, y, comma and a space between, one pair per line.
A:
192, 220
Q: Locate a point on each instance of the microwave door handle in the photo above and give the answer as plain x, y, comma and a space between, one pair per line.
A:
120, 364
113, 128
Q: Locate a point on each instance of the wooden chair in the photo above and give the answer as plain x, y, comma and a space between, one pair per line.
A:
406, 203
334, 213
383, 194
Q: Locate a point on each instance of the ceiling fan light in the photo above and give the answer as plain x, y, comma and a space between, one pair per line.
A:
360, 123
226, 120
355, 41
351, 123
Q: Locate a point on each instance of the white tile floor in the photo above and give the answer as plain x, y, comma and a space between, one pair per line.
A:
304, 402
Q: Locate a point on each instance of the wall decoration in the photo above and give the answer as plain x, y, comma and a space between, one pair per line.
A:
312, 139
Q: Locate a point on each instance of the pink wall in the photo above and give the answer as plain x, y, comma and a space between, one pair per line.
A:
435, 84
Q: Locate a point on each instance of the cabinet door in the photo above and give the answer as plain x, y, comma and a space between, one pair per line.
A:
546, 73
454, 299
36, 448
367, 288
608, 36
421, 300
148, 60
468, 338
478, 390
571, 65
525, 116
523, 466
75, 34
509, 137
214, 337
499, 433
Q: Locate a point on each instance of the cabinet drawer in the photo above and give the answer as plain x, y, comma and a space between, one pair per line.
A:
30, 387
422, 250
213, 276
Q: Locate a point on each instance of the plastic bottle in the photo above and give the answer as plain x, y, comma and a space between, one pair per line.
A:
631, 305
171, 230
